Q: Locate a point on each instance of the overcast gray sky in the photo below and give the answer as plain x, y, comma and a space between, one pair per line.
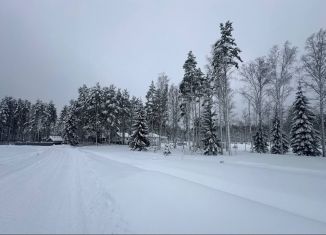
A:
50, 48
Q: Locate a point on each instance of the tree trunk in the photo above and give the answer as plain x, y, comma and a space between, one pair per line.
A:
123, 131
188, 125
227, 121
193, 131
250, 133
199, 125
195, 127
228, 127
96, 128
159, 137
221, 126
281, 125
322, 125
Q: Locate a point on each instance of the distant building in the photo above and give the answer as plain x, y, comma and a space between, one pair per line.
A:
154, 139
55, 139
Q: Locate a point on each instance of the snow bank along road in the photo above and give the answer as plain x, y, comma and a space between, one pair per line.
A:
109, 189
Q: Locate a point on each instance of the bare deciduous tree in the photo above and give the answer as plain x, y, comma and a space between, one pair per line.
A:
256, 77
314, 64
281, 61
247, 116
174, 112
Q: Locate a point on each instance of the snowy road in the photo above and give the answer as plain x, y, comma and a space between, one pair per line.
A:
61, 189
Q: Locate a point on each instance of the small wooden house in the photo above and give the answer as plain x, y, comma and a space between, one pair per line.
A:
55, 139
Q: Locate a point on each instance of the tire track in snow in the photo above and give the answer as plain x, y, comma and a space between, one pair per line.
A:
102, 212
31, 159
42, 198
12, 199
58, 192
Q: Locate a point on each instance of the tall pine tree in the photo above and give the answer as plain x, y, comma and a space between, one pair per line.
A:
225, 56
304, 139
187, 90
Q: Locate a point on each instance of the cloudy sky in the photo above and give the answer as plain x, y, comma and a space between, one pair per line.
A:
49, 48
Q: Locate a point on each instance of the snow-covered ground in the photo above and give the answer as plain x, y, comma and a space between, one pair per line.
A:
109, 189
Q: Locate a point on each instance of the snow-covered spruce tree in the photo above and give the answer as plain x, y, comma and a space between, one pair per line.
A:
70, 127
139, 140
279, 142
260, 141
212, 145
304, 139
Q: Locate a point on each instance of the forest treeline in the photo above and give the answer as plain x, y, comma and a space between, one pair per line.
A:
200, 109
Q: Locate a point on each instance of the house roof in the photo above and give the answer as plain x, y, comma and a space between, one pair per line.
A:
55, 138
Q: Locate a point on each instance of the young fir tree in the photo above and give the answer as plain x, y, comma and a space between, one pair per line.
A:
139, 140
279, 139
260, 141
304, 139
212, 145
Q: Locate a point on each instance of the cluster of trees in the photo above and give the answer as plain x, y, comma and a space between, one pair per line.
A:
199, 110
20, 120
204, 117
98, 114
156, 106
267, 87
213, 87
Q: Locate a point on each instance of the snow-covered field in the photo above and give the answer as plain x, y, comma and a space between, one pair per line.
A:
109, 189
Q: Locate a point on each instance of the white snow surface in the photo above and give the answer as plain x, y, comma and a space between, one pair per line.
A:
110, 189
